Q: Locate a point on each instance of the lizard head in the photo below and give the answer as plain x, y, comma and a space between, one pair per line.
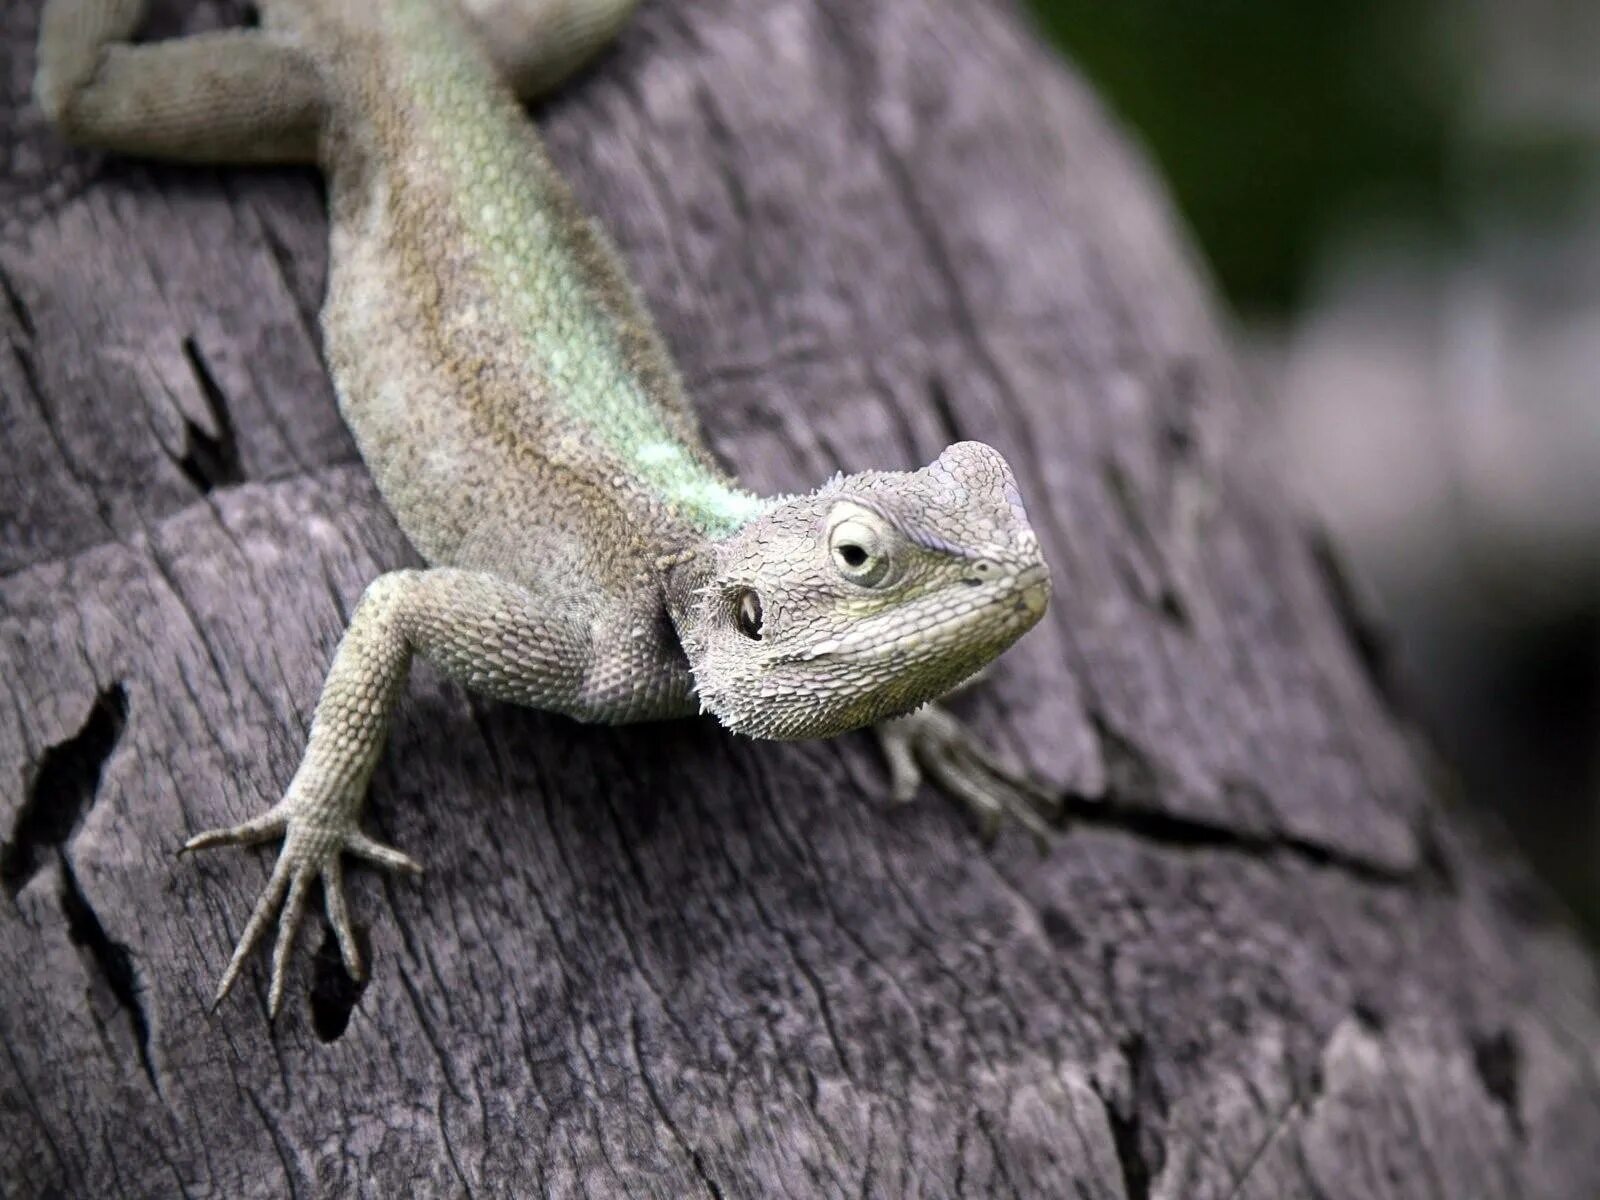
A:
864, 599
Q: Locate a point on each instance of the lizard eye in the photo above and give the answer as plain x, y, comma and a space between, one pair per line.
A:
858, 552
747, 614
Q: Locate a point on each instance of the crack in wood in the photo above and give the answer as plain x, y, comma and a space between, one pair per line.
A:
938, 394
62, 790
1170, 829
211, 457
1497, 1058
690, 1150
1140, 1150
19, 310
111, 958
1355, 612
1134, 786
1154, 584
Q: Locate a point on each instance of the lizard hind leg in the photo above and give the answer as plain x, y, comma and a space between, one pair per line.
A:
231, 96
536, 44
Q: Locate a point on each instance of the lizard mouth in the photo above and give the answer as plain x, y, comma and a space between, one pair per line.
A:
885, 665
983, 619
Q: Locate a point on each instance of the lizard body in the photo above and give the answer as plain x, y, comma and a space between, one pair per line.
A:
524, 421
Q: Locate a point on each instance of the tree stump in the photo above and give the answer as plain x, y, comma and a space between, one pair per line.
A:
1263, 958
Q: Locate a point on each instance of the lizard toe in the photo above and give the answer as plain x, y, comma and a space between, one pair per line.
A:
932, 743
255, 928
376, 852
339, 917
294, 911
267, 826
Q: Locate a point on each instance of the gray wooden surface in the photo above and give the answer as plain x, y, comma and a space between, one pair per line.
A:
1265, 960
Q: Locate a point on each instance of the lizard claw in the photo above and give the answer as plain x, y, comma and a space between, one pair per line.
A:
310, 852
932, 743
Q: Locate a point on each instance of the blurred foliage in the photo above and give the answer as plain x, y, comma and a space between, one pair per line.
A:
1271, 120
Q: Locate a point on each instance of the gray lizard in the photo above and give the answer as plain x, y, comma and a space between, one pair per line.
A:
527, 427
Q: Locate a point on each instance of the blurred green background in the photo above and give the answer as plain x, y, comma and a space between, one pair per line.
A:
1400, 202
1270, 119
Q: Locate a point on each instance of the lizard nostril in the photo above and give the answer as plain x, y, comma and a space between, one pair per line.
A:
980, 572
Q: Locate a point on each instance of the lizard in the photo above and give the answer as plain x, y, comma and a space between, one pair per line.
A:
523, 420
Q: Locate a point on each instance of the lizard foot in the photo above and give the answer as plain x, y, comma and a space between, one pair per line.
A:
933, 743
311, 851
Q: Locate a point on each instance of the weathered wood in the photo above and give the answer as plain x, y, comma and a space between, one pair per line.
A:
1264, 961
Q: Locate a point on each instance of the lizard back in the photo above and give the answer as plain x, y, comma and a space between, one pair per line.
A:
502, 379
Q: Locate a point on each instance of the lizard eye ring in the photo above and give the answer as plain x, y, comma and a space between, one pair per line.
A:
747, 613
858, 551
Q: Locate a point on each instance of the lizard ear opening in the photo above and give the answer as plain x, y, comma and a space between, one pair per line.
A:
747, 613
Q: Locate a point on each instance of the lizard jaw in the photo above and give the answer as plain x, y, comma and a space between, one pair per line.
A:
999, 611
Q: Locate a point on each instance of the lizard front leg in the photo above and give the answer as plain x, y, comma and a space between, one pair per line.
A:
483, 631
935, 744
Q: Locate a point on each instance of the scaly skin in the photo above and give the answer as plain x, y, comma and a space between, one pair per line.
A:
524, 421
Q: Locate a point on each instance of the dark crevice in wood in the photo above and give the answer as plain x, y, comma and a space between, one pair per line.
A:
1159, 594
1369, 1015
19, 310
62, 790
111, 958
1498, 1060
939, 401
1130, 774
1434, 865
334, 994
1176, 423
209, 460
1133, 787
1171, 606
1166, 829
696, 1159
1139, 1148
1353, 610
